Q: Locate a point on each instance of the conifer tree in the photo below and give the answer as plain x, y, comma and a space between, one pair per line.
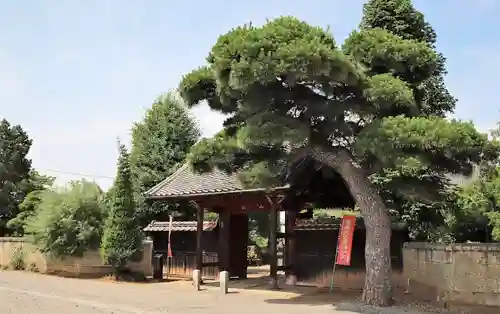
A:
122, 236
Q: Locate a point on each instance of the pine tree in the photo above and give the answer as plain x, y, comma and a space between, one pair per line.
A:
287, 84
122, 236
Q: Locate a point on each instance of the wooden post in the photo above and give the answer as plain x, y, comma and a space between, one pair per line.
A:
273, 241
199, 238
291, 277
287, 243
224, 237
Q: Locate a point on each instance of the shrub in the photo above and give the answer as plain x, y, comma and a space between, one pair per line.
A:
17, 261
68, 222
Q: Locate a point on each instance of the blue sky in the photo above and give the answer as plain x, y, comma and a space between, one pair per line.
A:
76, 74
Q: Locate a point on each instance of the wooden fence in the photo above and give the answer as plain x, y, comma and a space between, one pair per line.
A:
182, 264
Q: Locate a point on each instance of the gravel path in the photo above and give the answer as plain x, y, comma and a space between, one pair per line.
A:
26, 293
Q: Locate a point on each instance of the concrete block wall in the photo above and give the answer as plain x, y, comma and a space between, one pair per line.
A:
89, 265
144, 265
456, 273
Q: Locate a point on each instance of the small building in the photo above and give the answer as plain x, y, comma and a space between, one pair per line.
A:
311, 183
315, 244
221, 193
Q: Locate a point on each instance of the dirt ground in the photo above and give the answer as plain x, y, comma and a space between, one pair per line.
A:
26, 293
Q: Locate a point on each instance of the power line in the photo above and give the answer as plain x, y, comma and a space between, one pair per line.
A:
77, 174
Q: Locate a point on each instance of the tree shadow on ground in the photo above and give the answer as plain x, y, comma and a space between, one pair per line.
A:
319, 296
342, 300
288, 294
347, 301
338, 299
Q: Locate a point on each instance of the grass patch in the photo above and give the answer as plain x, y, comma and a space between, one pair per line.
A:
17, 261
33, 268
127, 276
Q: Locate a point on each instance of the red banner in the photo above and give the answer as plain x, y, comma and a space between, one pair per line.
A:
344, 245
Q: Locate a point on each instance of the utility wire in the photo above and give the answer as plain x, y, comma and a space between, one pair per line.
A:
77, 174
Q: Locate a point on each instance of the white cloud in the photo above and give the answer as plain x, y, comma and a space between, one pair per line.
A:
12, 87
84, 149
485, 57
483, 5
210, 121
84, 133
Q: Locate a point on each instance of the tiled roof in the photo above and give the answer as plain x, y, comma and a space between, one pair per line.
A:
180, 226
185, 182
309, 224
305, 224
315, 225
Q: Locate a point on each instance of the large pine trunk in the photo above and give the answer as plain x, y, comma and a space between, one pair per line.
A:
378, 286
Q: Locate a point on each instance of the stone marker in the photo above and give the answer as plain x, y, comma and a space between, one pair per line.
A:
197, 279
273, 284
291, 280
224, 281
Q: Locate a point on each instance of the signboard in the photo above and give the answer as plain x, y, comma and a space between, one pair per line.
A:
344, 245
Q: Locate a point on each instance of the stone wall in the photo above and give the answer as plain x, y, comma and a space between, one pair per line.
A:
457, 273
89, 265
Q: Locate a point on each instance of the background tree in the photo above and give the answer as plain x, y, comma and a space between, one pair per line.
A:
160, 143
122, 235
491, 194
424, 212
477, 212
31, 203
401, 18
15, 170
475, 216
66, 222
287, 85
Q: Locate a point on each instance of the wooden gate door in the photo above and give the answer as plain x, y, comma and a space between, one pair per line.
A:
238, 245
